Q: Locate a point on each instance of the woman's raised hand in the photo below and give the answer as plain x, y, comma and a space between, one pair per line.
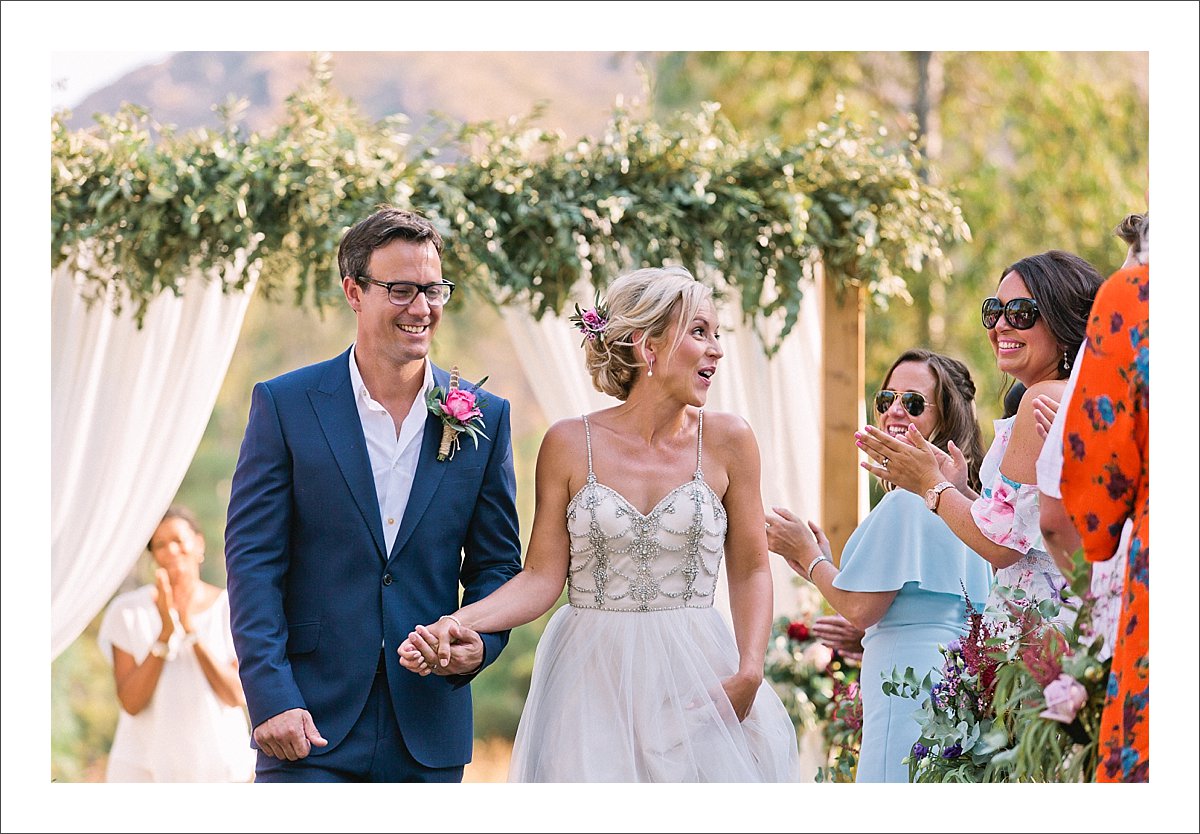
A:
790, 538
164, 600
908, 463
1044, 409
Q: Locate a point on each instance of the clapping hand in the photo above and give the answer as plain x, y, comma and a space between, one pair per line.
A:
164, 601
1044, 409
441, 648
909, 463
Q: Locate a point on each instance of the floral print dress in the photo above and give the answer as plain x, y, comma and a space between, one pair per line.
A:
1007, 513
1105, 480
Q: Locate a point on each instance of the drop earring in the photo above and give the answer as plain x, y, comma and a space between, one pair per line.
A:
650, 366
1066, 363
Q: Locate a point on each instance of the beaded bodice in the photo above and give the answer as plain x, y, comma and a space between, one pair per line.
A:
622, 560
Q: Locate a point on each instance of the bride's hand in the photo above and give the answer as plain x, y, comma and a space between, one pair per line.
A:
740, 689
428, 647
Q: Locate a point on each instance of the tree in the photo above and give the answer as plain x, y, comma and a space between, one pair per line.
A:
1042, 150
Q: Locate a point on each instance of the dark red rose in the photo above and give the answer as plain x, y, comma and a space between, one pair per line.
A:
797, 631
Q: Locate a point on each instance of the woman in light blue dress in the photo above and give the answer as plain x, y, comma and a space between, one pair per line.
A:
903, 572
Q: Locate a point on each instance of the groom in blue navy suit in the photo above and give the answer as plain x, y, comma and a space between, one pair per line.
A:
345, 532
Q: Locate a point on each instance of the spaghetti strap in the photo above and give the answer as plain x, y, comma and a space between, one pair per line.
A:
699, 448
587, 433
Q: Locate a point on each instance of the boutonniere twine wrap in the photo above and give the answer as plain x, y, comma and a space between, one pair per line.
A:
592, 322
458, 409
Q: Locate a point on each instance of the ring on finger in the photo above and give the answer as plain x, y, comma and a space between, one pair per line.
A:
883, 464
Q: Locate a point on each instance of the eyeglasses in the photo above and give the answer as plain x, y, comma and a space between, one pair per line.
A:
1021, 313
403, 293
912, 401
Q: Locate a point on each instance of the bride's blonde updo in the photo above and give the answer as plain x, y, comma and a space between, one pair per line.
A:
640, 305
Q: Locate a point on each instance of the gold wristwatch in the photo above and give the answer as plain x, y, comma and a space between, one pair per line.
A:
933, 497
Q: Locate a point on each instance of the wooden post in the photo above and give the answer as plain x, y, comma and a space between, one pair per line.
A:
843, 370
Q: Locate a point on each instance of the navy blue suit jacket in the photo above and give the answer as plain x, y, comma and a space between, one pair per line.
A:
313, 593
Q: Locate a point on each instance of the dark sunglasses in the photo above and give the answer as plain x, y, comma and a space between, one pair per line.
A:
912, 401
1021, 313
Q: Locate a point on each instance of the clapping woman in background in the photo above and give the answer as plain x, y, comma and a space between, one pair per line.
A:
902, 572
170, 644
1035, 324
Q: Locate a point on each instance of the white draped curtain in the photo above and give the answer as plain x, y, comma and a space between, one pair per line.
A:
128, 408
780, 398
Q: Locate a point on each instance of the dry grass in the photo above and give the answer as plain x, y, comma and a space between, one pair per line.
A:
490, 761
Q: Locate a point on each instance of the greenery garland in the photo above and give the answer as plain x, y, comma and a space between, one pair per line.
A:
527, 215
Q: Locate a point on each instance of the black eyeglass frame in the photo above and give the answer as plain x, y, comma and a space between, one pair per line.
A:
1017, 319
420, 288
908, 401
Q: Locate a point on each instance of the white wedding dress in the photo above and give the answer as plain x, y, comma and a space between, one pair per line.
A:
627, 677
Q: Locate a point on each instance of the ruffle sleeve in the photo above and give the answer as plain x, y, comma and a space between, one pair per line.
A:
1007, 514
127, 625
899, 542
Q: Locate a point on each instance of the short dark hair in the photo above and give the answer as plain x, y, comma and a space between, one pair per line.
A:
1064, 286
388, 223
181, 512
954, 400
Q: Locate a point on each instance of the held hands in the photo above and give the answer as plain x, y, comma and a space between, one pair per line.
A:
1044, 409
443, 648
289, 735
911, 463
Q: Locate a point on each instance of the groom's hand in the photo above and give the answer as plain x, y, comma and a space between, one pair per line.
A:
443, 648
289, 735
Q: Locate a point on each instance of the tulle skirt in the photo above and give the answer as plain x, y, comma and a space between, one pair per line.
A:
623, 696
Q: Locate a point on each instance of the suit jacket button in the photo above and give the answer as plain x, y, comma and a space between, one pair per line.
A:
387, 579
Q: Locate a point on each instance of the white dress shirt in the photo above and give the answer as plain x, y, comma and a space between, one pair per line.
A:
393, 458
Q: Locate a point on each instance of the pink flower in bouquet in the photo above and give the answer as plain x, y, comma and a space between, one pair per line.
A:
797, 631
1064, 697
460, 405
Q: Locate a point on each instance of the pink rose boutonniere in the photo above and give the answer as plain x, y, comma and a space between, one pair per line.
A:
459, 411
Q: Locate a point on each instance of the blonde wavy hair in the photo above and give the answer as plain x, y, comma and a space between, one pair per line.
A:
641, 305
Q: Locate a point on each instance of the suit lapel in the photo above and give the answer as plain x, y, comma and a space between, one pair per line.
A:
333, 402
429, 470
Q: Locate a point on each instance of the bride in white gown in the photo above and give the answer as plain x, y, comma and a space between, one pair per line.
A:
638, 678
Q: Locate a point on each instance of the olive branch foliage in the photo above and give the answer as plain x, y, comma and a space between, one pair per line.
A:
528, 216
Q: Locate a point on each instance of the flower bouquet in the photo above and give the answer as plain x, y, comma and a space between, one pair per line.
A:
1052, 686
1019, 699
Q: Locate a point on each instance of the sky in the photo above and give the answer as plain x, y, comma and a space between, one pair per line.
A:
75, 75
61, 40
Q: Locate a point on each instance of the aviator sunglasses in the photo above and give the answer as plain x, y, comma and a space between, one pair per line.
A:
1021, 313
912, 401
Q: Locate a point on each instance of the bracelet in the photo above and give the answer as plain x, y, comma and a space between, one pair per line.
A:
452, 619
190, 639
815, 562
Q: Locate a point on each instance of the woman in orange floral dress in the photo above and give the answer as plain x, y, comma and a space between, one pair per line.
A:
1106, 479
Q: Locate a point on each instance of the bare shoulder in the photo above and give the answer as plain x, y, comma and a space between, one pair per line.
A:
1049, 387
724, 429
563, 436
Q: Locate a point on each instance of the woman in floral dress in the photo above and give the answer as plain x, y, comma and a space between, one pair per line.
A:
1105, 480
1035, 324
